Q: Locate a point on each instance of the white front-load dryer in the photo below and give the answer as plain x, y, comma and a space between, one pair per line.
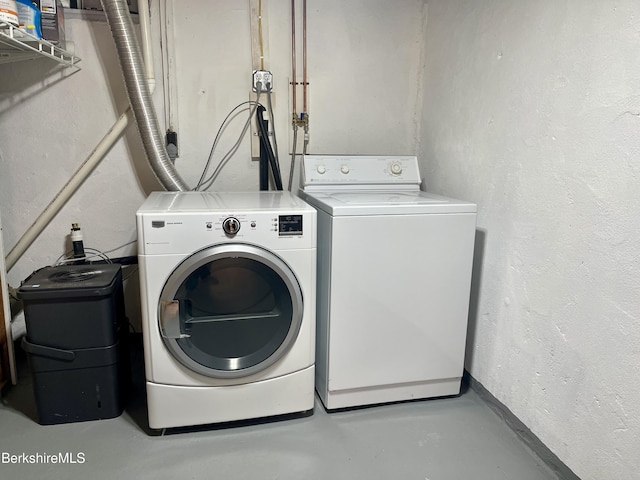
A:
227, 283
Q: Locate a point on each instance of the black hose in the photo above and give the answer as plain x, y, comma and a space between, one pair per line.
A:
264, 165
264, 140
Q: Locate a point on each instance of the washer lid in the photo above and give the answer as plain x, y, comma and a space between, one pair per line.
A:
352, 203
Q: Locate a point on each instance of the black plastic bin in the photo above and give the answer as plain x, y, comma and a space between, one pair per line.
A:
77, 342
77, 385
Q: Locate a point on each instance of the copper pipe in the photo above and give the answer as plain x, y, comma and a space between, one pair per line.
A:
293, 54
304, 53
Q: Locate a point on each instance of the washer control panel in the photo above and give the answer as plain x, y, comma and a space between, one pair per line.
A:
360, 170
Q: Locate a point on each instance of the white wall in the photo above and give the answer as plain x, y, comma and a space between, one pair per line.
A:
531, 110
364, 65
364, 62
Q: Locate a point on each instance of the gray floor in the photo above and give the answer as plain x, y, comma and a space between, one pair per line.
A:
440, 439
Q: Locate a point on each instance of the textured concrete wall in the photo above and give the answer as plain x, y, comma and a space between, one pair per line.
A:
532, 110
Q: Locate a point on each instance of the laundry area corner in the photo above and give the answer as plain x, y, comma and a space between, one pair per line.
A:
292, 239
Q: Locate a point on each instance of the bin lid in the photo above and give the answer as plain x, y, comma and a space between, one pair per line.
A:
70, 281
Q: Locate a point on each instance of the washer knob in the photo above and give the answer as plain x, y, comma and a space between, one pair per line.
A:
321, 169
231, 226
344, 169
395, 168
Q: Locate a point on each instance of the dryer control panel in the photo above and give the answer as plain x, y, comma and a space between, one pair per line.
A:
183, 222
284, 225
162, 234
360, 171
176, 234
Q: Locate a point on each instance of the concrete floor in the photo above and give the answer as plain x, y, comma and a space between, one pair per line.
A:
439, 439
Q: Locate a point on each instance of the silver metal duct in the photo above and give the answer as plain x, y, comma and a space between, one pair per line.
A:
119, 18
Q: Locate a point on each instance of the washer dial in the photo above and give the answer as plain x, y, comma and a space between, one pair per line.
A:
395, 168
231, 226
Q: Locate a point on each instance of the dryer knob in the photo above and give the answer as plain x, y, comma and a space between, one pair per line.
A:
344, 169
395, 168
231, 226
321, 169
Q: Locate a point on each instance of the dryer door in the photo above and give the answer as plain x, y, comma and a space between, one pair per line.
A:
230, 310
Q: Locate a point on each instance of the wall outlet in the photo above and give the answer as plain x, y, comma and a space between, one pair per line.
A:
262, 80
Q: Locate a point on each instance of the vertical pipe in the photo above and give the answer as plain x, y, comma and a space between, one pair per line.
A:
304, 54
147, 55
260, 34
293, 55
5, 314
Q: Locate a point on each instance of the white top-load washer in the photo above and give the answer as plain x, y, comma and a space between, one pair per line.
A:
227, 282
394, 275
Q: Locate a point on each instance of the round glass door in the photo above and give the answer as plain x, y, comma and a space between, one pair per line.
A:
230, 310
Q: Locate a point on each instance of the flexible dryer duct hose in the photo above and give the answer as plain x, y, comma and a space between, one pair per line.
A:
117, 13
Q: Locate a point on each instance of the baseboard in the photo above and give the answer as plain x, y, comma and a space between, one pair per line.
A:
550, 459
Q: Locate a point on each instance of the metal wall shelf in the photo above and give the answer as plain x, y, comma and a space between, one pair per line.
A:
17, 45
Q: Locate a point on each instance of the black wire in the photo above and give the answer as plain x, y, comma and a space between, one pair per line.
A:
263, 170
273, 125
264, 139
130, 260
